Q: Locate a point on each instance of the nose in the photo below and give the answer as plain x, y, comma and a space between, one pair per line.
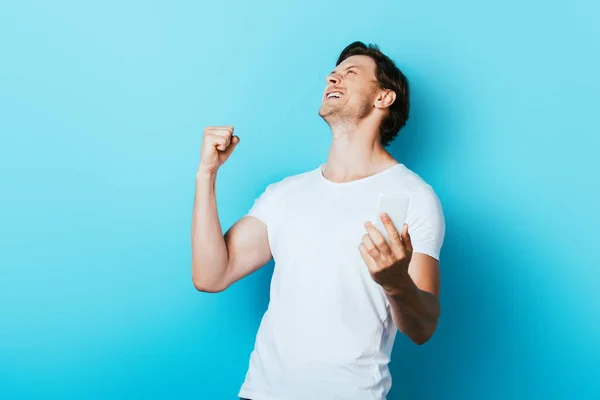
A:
333, 79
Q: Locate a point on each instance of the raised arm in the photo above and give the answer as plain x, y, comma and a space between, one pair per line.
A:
220, 260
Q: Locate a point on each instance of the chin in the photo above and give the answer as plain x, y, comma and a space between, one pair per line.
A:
326, 111
327, 115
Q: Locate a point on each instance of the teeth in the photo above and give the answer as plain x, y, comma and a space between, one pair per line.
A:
334, 94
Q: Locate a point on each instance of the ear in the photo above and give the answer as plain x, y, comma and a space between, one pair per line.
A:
385, 98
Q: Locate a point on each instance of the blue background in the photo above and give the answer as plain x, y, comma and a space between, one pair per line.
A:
102, 107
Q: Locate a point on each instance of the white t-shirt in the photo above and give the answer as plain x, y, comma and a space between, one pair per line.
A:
328, 332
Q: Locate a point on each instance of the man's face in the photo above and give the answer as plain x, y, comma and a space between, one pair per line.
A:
351, 91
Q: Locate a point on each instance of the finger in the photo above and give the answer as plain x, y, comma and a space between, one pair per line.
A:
370, 246
222, 129
225, 131
390, 227
221, 133
395, 239
234, 142
378, 239
220, 142
406, 241
371, 263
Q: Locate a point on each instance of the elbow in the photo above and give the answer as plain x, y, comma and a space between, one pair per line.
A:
421, 340
428, 328
423, 337
418, 337
202, 285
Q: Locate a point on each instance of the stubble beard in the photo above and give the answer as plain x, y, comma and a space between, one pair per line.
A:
345, 114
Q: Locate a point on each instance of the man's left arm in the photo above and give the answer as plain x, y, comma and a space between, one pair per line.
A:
410, 281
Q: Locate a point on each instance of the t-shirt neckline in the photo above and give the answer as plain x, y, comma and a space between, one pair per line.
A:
356, 181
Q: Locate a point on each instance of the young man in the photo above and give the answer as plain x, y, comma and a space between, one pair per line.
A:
339, 291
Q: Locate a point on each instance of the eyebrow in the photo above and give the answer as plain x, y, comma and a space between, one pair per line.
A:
347, 68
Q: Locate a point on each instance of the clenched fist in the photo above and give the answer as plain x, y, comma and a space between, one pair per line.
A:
217, 145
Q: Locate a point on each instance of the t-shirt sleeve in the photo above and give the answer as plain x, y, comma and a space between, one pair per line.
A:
426, 224
264, 205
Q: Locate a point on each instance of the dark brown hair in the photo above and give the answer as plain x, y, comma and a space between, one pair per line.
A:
388, 76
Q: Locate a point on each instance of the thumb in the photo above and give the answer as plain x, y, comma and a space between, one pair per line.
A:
234, 142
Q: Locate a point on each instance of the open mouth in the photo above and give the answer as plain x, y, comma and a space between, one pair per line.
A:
334, 95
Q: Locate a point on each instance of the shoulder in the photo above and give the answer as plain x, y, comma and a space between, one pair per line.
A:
416, 186
425, 207
425, 216
291, 183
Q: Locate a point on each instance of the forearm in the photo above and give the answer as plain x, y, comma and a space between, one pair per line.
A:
209, 251
415, 312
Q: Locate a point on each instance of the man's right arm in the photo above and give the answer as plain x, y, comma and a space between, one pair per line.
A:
220, 260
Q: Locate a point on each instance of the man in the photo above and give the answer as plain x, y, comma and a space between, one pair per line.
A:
339, 291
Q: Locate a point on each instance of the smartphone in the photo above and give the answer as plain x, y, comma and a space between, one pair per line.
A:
396, 206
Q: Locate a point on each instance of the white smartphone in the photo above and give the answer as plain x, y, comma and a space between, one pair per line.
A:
396, 206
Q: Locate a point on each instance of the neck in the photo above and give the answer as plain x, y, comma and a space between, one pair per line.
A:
356, 152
